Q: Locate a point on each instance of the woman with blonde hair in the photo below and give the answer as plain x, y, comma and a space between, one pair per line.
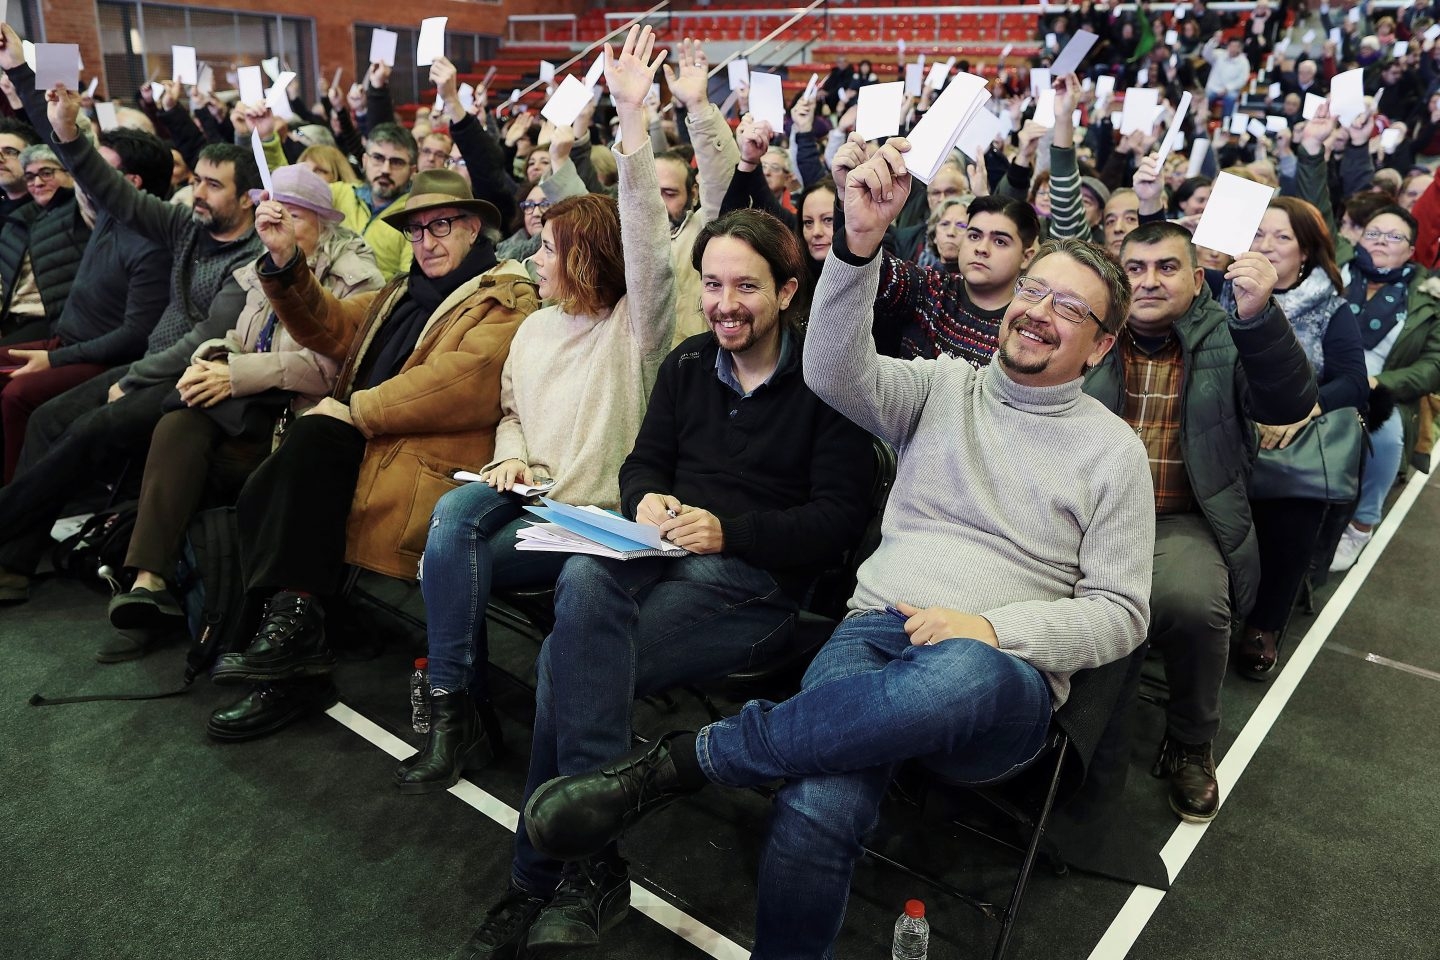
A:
329, 163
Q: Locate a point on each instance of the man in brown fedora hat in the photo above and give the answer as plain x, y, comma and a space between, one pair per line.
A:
357, 477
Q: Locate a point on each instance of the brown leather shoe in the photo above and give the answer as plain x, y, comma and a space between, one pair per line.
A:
1257, 653
1190, 768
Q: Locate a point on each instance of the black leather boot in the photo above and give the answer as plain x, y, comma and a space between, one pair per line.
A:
457, 741
290, 644
270, 708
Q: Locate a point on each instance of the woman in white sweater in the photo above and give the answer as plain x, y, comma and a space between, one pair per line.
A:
572, 396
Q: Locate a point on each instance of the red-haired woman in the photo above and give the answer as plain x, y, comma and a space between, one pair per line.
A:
573, 393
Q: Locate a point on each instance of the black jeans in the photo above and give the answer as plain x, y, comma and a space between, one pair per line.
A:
71, 442
293, 509
1287, 532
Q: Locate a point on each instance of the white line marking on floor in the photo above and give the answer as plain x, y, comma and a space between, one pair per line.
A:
644, 900
1143, 901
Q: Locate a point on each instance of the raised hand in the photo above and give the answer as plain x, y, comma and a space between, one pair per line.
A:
562, 140
1030, 135
378, 76
355, 97
1067, 94
63, 111
630, 74
1315, 131
442, 74
276, 229
1254, 280
1147, 184
691, 85
171, 96
978, 178
875, 193
753, 138
261, 120
12, 52
851, 154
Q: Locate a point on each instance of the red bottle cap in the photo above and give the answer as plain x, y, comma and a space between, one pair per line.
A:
422, 663
915, 908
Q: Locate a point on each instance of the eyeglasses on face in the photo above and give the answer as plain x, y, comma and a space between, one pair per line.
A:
44, 173
453, 162
541, 205
438, 228
394, 163
1066, 307
1374, 236
9, 153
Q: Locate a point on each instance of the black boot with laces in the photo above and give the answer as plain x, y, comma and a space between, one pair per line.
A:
290, 644
501, 935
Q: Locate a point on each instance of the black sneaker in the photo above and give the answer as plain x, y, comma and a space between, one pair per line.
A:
141, 609
593, 896
1190, 768
501, 935
289, 645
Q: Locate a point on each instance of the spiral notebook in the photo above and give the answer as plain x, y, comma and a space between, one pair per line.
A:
593, 531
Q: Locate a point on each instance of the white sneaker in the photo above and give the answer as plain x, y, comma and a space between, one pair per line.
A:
1351, 543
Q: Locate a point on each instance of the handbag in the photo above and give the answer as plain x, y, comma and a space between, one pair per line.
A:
1322, 462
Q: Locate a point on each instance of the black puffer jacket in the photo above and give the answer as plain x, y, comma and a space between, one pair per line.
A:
1233, 375
54, 237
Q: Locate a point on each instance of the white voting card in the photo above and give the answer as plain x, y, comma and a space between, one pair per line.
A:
260, 164
1139, 110
252, 86
184, 68
382, 46
431, 45
1233, 214
739, 73
1075, 51
565, 105
767, 99
57, 63
1177, 127
877, 114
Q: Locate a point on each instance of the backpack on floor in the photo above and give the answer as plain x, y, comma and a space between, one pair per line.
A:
98, 548
211, 587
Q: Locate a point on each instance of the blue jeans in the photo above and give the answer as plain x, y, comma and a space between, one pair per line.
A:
469, 551
1382, 466
627, 629
869, 701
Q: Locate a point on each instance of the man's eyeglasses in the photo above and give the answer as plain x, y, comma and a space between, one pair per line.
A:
9, 153
394, 163
541, 205
44, 173
1374, 236
439, 228
453, 162
1066, 307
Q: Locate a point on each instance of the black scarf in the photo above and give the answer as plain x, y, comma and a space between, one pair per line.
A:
400, 331
1377, 315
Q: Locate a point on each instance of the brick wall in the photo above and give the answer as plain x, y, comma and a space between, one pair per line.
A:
73, 21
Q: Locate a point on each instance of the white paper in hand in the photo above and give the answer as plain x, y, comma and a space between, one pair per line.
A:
1104, 90
938, 75
431, 45
1255, 128
277, 98
1177, 127
1309, 37
182, 60
1075, 51
1139, 110
596, 71
1239, 122
1172, 37
57, 63
271, 66
977, 135
206, 81
105, 114
382, 46
1005, 50
936, 133
738, 71
1276, 125
1045, 109
1401, 48
252, 86
767, 100
1336, 38
1353, 14
1390, 138
567, 102
1039, 80
1312, 105
877, 114
547, 71
157, 90
1433, 32
259, 147
1274, 91
466, 93
1347, 95
94, 85
812, 86
914, 79
1233, 214
1197, 157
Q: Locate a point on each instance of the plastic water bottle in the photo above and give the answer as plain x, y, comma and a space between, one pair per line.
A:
912, 933
420, 697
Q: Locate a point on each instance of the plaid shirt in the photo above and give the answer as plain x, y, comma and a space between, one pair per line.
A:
1153, 385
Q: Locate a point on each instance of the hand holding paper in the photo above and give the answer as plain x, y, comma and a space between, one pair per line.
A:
432, 41
276, 229
875, 193
1253, 276
879, 109
1232, 215
382, 46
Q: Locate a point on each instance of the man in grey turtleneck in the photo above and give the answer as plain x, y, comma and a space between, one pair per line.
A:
1015, 551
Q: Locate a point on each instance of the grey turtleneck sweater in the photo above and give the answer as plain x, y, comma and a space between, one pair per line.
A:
1031, 506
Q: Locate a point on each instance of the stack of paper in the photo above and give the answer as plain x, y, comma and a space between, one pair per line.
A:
593, 531
944, 124
541, 484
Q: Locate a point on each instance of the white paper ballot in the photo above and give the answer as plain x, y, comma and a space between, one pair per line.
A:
1172, 37
1177, 127
934, 136
1039, 80
1197, 157
1347, 95
1401, 48
1233, 214
565, 104
596, 71
977, 135
1116, 119
271, 66
1005, 50
1139, 109
466, 93
90, 90
1045, 109
277, 98
937, 77
1308, 38
1051, 43
1335, 36
1255, 128
1104, 90
1282, 45
767, 99
28, 49
1276, 125
1239, 123
1274, 91
382, 46
1390, 138
739, 73
184, 69
206, 81
1312, 104
1142, 76
878, 111
1433, 32
547, 71
431, 45
260, 164
105, 114
57, 63
1353, 14
157, 90
914, 79
252, 86
1180, 10
1075, 51
812, 87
